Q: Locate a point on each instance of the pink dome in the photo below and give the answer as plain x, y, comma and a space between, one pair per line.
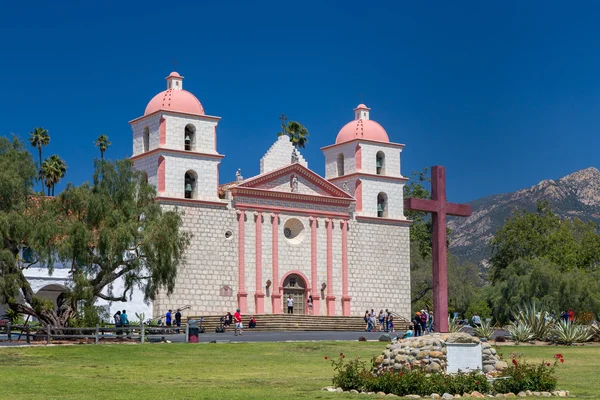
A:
175, 100
362, 128
174, 75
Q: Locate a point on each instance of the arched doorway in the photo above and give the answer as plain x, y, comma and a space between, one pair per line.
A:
54, 293
296, 286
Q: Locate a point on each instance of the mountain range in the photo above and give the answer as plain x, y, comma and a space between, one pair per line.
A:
575, 196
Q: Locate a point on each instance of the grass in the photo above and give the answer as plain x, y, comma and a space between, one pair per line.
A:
221, 371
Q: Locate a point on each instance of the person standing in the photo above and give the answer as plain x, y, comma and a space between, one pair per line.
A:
178, 319
417, 323
117, 318
169, 318
290, 304
310, 304
424, 318
237, 320
125, 322
571, 316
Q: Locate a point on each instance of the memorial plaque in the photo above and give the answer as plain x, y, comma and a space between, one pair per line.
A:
464, 357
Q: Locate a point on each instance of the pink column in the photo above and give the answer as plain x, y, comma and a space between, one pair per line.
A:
242, 294
275, 295
330, 299
345, 298
313, 267
259, 296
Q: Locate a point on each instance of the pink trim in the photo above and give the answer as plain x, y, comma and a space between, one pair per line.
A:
244, 206
358, 195
242, 295
294, 272
330, 299
276, 296
364, 175
295, 197
190, 201
173, 151
161, 174
405, 222
313, 266
358, 157
162, 131
302, 171
259, 296
389, 144
201, 117
345, 298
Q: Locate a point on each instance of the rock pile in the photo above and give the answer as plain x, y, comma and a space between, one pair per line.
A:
430, 352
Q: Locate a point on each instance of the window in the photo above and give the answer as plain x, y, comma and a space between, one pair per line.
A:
146, 139
340, 164
190, 185
382, 206
380, 163
190, 137
293, 230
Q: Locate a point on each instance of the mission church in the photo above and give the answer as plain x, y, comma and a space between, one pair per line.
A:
343, 238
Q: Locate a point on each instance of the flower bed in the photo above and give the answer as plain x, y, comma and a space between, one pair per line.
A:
520, 377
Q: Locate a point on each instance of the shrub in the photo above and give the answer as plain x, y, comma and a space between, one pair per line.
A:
521, 376
453, 325
595, 331
568, 333
520, 333
354, 374
533, 316
348, 375
486, 330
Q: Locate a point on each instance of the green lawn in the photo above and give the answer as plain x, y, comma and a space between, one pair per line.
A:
220, 371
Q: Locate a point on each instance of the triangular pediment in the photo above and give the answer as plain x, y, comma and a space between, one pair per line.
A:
282, 180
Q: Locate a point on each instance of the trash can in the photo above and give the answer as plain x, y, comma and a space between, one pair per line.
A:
193, 331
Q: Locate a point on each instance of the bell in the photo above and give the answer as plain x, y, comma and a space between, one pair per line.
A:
379, 207
187, 139
188, 187
379, 164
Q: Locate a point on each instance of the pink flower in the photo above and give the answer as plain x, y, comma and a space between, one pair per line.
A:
327, 358
515, 361
562, 360
548, 364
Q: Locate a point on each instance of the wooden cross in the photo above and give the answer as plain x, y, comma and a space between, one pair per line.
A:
439, 208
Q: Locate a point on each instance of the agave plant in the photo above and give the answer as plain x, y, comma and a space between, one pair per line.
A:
520, 332
485, 330
568, 333
533, 316
453, 325
596, 331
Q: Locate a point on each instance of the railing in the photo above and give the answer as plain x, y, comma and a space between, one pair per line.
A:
141, 333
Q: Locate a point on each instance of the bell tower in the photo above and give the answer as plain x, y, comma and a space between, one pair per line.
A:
175, 144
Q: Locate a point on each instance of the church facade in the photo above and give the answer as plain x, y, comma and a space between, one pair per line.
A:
342, 239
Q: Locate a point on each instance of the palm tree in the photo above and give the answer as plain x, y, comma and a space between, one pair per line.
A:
53, 170
39, 138
297, 133
103, 143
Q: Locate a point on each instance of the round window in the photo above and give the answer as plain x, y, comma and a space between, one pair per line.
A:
293, 230
228, 234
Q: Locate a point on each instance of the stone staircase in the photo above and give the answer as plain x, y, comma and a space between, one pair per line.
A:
298, 322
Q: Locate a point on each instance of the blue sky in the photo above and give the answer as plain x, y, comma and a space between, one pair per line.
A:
504, 94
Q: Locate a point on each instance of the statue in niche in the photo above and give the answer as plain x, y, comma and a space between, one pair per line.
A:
238, 175
294, 184
295, 157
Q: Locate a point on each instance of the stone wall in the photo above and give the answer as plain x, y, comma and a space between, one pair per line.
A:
280, 155
379, 267
430, 352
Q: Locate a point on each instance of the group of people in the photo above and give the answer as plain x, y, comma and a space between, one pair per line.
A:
121, 320
169, 318
567, 316
236, 321
421, 324
384, 321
